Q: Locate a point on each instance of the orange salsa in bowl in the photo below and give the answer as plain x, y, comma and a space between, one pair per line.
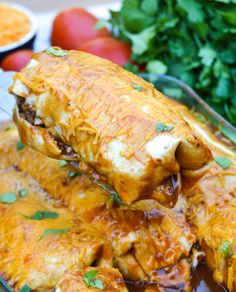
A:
14, 25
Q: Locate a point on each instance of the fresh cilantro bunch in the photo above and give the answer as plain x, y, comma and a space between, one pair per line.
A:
193, 40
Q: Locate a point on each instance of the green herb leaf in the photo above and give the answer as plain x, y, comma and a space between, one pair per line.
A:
149, 6
23, 193
53, 231
89, 279
156, 67
133, 18
226, 249
41, 215
193, 9
160, 127
113, 196
141, 41
228, 56
25, 288
132, 68
56, 52
98, 284
223, 88
90, 275
207, 55
189, 39
101, 23
73, 174
137, 87
8, 198
62, 163
224, 162
20, 145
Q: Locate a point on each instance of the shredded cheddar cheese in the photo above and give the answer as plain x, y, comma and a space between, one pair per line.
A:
14, 25
109, 133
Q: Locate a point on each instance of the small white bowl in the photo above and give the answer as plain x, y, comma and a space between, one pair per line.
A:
27, 41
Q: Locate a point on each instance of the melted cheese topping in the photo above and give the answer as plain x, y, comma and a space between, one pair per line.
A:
131, 230
91, 103
114, 152
163, 146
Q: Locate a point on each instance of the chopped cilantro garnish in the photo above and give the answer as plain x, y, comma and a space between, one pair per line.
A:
73, 174
115, 197
224, 162
226, 249
23, 193
41, 215
54, 231
91, 281
25, 288
56, 52
8, 198
20, 145
62, 163
160, 127
137, 87
130, 67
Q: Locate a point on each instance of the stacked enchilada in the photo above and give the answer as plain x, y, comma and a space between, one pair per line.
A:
127, 143
82, 108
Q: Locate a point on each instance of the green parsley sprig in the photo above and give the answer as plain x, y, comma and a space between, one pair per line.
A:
186, 39
113, 195
72, 173
53, 231
224, 162
25, 288
137, 87
62, 163
160, 127
8, 198
23, 192
42, 215
56, 52
20, 145
91, 281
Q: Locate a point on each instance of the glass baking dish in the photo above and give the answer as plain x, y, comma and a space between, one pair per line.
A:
180, 91
4, 286
170, 86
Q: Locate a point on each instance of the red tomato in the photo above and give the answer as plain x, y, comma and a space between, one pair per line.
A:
17, 60
108, 48
73, 27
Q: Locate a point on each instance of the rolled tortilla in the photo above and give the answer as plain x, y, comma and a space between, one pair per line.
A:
80, 107
211, 206
38, 252
109, 279
157, 237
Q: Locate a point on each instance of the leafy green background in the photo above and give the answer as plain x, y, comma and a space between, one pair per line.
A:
193, 40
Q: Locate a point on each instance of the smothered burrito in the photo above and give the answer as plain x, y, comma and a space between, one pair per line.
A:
81, 108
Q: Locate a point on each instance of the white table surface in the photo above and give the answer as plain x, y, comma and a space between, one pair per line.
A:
46, 5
